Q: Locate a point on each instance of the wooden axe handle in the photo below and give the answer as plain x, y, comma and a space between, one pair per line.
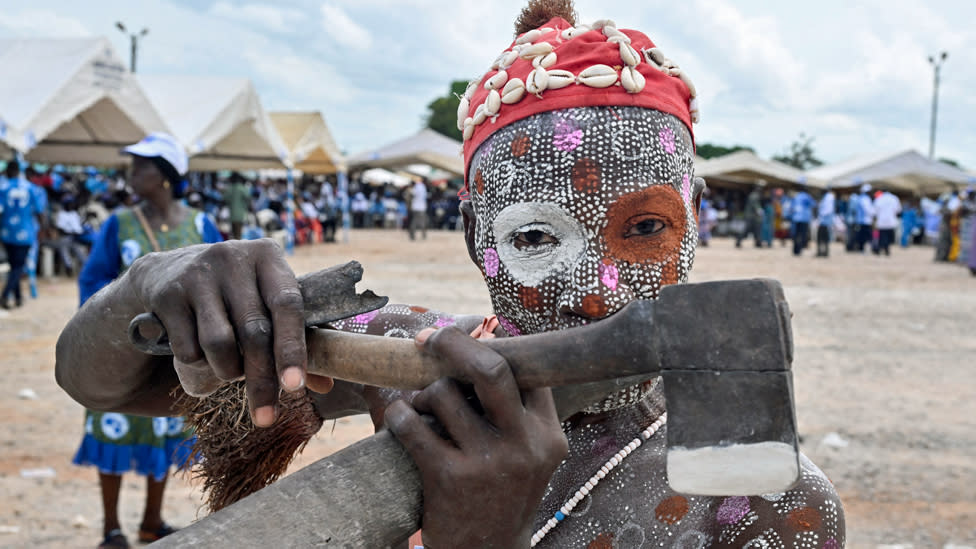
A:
618, 347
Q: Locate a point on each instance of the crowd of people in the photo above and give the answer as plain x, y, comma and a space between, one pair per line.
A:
863, 220
61, 209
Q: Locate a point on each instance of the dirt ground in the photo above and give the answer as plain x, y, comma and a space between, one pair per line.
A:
885, 371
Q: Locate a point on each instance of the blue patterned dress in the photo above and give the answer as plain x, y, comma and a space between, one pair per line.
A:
117, 443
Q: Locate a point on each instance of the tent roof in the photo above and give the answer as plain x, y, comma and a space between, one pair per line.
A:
310, 144
219, 120
905, 171
424, 147
72, 101
745, 168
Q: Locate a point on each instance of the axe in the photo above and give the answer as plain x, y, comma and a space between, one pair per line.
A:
723, 349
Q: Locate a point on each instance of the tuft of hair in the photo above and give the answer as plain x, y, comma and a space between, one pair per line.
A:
539, 12
232, 456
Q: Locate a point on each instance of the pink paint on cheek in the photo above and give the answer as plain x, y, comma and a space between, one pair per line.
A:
732, 510
508, 326
609, 276
831, 544
666, 139
686, 188
366, 318
491, 262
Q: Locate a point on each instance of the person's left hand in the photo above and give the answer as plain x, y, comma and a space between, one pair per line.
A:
483, 485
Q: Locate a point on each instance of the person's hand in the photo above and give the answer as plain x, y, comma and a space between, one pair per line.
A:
231, 309
483, 486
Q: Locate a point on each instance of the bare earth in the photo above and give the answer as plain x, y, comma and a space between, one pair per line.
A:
885, 359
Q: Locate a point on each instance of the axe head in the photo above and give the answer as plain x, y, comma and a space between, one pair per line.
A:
726, 349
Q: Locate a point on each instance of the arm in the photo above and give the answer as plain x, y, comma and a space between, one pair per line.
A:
206, 296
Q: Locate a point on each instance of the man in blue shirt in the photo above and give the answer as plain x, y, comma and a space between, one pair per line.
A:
20, 212
801, 213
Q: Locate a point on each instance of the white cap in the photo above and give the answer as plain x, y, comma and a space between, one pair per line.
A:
865, 188
159, 144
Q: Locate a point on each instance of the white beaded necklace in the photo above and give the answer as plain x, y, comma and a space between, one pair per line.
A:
588, 486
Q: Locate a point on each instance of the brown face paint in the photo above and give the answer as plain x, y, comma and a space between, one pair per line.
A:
671, 510
479, 182
530, 297
594, 306
521, 145
586, 175
646, 226
804, 519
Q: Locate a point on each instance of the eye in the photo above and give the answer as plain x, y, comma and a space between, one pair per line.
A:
532, 238
644, 226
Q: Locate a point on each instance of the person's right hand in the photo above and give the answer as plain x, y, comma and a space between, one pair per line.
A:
231, 309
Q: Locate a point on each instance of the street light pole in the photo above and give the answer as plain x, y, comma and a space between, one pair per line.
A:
937, 67
134, 43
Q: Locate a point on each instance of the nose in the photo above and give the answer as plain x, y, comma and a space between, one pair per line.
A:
596, 290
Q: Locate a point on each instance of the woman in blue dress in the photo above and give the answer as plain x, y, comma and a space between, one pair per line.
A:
118, 443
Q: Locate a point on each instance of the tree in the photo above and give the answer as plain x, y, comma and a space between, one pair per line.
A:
708, 150
442, 112
800, 154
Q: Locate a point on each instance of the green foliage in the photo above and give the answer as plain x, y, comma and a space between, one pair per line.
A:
708, 150
950, 162
442, 112
800, 154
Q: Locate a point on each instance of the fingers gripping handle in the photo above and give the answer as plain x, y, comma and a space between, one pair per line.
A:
153, 345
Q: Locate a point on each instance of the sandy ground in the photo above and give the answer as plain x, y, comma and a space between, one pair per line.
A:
885, 368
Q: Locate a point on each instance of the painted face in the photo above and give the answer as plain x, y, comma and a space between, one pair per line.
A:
581, 211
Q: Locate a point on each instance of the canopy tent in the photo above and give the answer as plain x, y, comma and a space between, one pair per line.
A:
905, 172
311, 147
424, 147
71, 101
379, 176
219, 120
743, 169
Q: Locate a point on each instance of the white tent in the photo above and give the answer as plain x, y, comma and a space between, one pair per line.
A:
219, 120
745, 169
424, 147
71, 101
311, 147
906, 172
379, 176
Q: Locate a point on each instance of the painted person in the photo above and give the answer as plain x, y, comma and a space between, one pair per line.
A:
580, 202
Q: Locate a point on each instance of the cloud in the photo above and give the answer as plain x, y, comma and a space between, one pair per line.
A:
302, 77
343, 29
274, 18
42, 23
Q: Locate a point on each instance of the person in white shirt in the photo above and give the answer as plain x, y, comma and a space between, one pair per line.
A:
825, 221
418, 209
886, 210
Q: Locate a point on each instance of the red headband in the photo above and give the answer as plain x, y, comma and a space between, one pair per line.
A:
559, 66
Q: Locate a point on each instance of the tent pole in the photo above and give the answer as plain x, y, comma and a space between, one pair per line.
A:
342, 180
290, 214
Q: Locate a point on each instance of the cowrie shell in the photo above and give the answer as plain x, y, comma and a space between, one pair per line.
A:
559, 78
492, 103
611, 32
544, 30
510, 57
629, 55
480, 115
496, 81
468, 128
632, 80
655, 58
545, 61
598, 76
693, 107
462, 112
537, 81
620, 39
529, 37
513, 91
533, 50
600, 23
687, 80
569, 34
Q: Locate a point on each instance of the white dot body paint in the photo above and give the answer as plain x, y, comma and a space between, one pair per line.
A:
530, 267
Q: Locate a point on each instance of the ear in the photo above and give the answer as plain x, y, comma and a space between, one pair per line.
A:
698, 189
470, 224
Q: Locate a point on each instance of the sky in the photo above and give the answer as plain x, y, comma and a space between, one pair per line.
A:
853, 75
